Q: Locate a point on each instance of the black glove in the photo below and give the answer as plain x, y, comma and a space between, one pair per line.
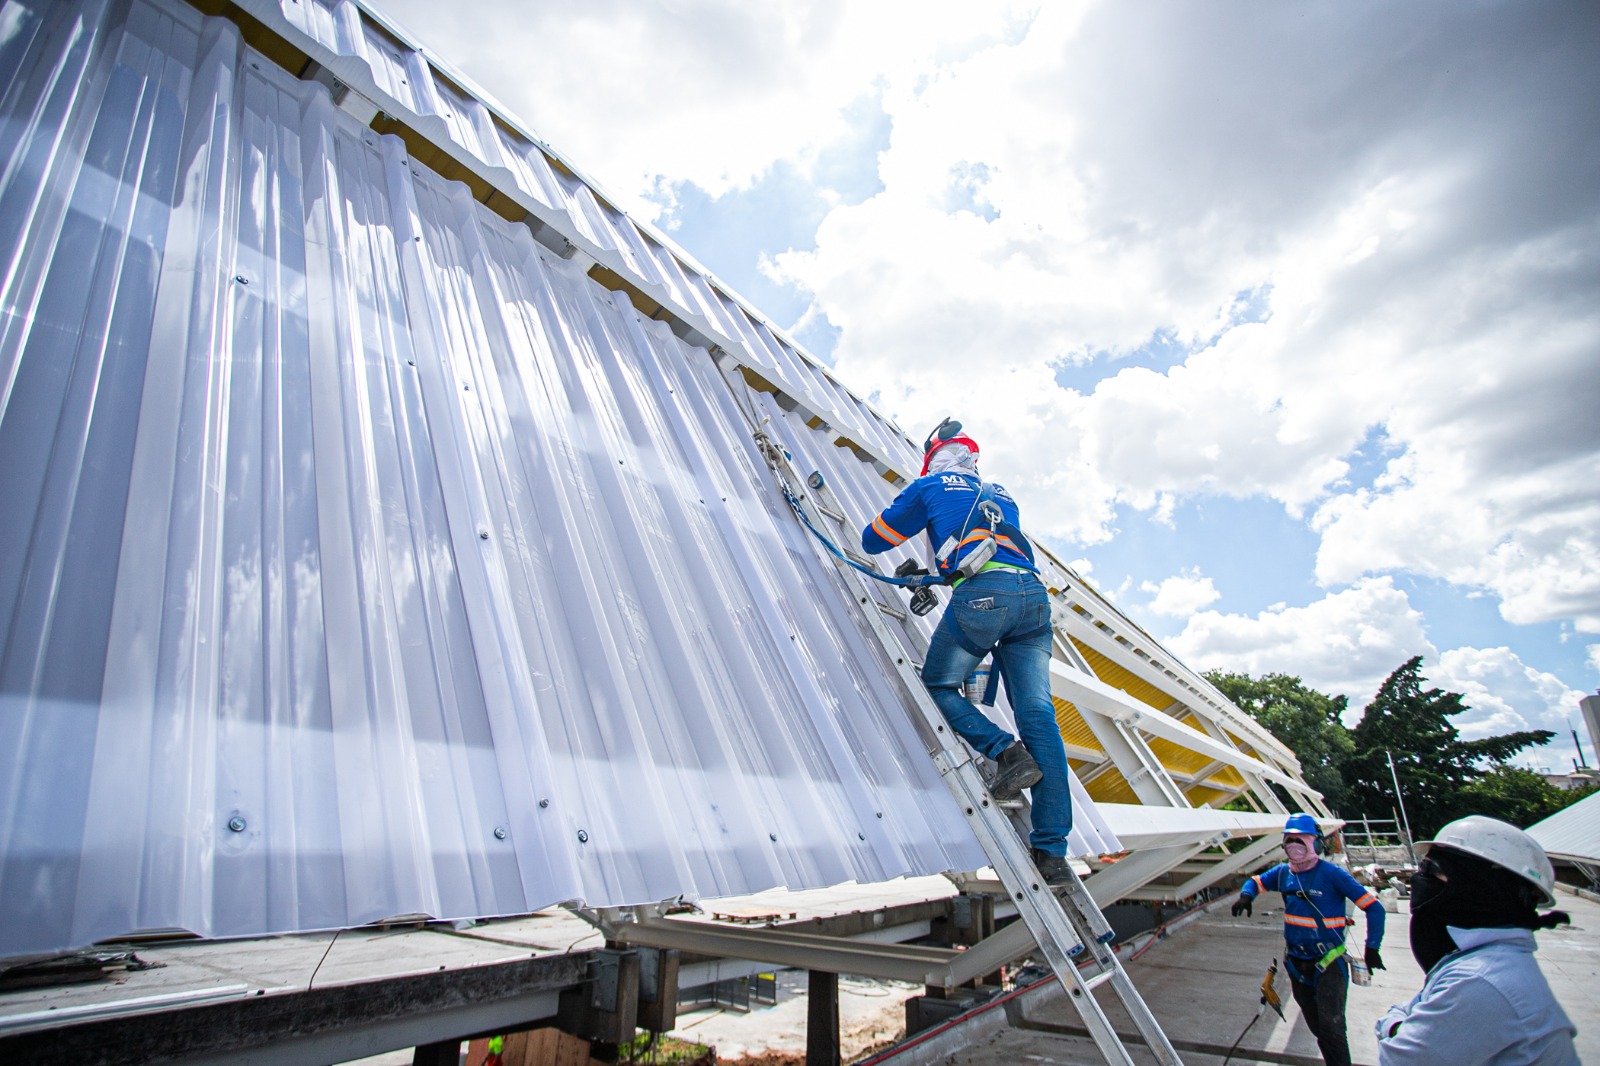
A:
1374, 960
1242, 904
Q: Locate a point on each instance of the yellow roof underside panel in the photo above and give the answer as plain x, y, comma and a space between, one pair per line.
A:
1183, 760
1200, 794
1112, 674
1111, 787
1073, 728
1228, 777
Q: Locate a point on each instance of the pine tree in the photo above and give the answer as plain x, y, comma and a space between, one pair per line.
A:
1434, 765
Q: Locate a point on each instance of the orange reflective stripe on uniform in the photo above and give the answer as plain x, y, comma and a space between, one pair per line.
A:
882, 529
1311, 923
980, 534
1259, 886
1366, 901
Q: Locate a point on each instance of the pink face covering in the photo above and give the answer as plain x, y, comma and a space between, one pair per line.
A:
1299, 848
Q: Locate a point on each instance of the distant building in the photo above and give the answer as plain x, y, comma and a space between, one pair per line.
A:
1582, 777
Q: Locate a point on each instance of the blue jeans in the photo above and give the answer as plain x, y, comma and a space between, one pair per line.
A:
998, 610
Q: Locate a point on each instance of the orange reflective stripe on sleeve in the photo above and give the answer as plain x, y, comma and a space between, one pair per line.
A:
880, 527
1259, 886
1366, 901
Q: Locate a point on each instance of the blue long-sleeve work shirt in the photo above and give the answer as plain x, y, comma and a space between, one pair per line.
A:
1319, 892
944, 506
1487, 1002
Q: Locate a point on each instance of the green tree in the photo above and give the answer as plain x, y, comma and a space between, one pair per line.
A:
1518, 796
1433, 763
1305, 720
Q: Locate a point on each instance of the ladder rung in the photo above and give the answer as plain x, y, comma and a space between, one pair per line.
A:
1100, 978
829, 511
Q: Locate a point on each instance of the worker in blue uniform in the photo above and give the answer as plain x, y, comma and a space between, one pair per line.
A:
999, 606
1314, 895
1474, 909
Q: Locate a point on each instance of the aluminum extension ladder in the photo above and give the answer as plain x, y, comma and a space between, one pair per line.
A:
1065, 922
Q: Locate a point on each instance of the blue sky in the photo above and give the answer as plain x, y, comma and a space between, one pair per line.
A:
1279, 321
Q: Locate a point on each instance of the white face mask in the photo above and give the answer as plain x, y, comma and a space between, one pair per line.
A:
956, 457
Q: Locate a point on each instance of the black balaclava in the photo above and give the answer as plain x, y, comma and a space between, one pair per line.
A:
1472, 893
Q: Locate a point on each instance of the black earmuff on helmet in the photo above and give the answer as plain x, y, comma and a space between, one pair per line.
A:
943, 431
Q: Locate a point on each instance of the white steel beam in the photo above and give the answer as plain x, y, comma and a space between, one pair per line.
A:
1093, 696
1109, 885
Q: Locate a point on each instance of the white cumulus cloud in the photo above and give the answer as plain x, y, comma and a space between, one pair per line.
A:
1343, 644
1504, 693
1220, 248
1181, 595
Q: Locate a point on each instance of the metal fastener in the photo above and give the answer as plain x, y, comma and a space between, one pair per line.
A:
583, 836
544, 803
236, 824
499, 832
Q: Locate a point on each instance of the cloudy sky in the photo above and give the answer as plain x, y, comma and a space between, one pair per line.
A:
1281, 320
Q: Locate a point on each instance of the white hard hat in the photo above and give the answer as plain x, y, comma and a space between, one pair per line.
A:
1504, 845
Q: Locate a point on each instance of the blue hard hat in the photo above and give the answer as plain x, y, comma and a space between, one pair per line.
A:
1302, 823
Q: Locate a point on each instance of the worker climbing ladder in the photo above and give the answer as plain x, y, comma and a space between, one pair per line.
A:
1064, 922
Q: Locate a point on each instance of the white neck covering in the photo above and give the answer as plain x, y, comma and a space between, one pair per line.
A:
957, 457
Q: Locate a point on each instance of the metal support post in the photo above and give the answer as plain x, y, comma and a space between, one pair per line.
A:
822, 1019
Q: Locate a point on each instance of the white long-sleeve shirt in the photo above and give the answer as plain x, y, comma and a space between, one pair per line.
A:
1487, 1002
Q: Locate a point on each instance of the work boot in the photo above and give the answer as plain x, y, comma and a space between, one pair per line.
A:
1017, 771
1053, 868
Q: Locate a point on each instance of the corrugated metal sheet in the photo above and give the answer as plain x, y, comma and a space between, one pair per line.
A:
1572, 833
361, 558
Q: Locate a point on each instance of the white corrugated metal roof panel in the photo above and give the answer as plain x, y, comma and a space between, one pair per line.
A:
361, 558
1573, 832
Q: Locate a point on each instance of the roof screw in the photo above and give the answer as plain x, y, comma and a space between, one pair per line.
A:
772, 837
861, 836
544, 803
499, 832
880, 814
583, 836
236, 824
241, 279
483, 534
